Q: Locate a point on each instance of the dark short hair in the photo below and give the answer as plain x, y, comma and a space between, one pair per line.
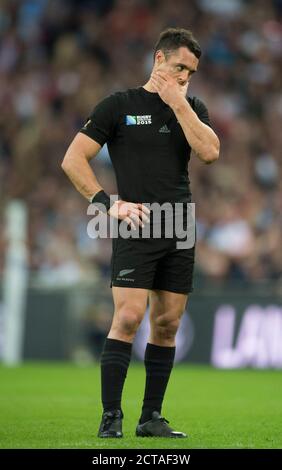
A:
172, 38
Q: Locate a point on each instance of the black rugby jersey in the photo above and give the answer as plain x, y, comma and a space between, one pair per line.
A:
146, 144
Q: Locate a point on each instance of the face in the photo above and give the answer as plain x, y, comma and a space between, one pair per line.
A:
180, 64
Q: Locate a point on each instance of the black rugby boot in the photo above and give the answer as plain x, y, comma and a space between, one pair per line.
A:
157, 427
111, 424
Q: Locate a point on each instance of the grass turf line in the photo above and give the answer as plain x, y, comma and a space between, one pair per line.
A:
57, 406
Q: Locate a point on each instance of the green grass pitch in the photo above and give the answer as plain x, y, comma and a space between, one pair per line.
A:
57, 406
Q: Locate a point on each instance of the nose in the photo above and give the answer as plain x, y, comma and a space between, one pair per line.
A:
183, 82
184, 77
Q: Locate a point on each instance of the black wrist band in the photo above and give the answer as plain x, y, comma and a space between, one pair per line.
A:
102, 198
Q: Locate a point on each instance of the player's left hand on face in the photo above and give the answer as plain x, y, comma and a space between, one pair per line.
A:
168, 88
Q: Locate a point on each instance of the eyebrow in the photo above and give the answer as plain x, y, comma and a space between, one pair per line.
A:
187, 68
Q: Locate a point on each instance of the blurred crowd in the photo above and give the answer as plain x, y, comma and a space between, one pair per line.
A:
58, 58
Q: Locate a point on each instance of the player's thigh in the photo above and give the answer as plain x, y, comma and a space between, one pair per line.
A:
168, 304
130, 300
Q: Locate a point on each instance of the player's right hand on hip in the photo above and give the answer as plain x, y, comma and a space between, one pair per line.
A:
133, 213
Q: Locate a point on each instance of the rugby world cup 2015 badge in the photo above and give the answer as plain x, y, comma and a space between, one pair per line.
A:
138, 120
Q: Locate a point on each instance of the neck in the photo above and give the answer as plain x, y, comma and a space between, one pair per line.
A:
150, 87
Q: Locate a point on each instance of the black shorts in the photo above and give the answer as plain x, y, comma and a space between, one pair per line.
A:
152, 264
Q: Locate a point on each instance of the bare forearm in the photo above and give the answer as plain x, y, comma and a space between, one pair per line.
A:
201, 138
81, 174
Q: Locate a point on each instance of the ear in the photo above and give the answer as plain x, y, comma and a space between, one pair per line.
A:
159, 57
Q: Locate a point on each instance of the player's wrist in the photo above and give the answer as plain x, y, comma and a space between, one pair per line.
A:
179, 103
102, 200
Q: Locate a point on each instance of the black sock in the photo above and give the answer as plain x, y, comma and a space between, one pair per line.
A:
158, 363
115, 360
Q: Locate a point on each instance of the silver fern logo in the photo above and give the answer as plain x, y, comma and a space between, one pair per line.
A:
123, 272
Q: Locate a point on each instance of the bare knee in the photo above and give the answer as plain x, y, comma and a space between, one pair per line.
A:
126, 322
129, 321
164, 328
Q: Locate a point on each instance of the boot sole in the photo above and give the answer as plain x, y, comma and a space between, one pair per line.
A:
140, 433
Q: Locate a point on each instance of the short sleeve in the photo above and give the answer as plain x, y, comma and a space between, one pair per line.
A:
201, 110
100, 125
